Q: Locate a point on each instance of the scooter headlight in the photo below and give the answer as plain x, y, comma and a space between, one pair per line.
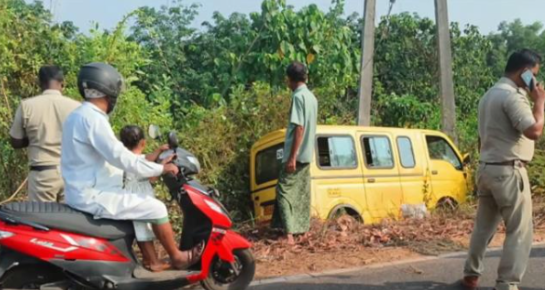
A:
5, 235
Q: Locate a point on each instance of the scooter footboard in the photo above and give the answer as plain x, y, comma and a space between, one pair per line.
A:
222, 243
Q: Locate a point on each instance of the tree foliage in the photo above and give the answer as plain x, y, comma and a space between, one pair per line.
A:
222, 86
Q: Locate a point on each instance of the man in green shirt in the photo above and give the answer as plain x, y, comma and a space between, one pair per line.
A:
292, 210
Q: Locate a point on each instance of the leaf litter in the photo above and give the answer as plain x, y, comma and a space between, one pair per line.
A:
346, 243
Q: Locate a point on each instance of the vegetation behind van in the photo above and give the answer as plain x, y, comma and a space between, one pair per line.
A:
370, 173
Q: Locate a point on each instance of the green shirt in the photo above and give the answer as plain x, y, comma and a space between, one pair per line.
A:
303, 112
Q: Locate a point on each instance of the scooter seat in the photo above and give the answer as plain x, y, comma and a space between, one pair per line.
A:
62, 217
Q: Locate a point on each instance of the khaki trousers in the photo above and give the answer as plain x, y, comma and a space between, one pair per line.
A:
504, 194
45, 186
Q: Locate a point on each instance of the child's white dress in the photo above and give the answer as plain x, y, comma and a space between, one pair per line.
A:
139, 185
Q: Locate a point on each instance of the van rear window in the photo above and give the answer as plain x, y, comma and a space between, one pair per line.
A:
268, 163
336, 152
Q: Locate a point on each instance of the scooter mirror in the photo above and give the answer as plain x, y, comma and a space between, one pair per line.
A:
154, 132
172, 140
216, 193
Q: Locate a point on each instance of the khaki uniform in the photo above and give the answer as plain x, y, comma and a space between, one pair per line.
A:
503, 184
40, 119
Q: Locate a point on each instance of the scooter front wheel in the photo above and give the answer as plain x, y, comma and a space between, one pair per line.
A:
236, 276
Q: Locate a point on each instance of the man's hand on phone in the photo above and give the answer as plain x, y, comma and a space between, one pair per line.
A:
538, 93
170, 169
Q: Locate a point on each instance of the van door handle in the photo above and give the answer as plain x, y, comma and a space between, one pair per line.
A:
434, 172
371, 180
256, 198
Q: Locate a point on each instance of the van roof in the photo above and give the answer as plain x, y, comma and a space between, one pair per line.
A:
336, 128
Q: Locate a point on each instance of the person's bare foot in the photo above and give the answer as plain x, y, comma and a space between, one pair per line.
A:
179, 261
158, 267
290, 240
186, 259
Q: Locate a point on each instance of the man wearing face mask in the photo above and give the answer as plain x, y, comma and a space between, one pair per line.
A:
92, 157
508, 127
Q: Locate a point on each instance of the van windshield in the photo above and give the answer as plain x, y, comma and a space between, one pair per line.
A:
440, 149
268, 163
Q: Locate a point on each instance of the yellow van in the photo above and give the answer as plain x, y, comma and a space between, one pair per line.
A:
370, 173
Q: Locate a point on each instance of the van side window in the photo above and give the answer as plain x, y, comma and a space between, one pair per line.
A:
268, 163
440, 149
406, 153
378, 152
336, 152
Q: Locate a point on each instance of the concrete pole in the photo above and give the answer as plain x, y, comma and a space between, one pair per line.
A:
366, 70
445, 67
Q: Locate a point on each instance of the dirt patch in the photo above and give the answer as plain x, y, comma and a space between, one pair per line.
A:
344, 243
294, 262
436, 247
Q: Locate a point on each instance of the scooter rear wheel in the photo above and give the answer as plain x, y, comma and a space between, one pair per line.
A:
221, 276
30, 277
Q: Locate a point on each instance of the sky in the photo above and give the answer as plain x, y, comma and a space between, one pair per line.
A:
486, 14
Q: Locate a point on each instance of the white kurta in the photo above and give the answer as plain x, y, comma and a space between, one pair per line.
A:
92, 161
140, 185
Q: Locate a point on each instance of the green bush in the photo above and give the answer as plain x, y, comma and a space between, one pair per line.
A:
222, 87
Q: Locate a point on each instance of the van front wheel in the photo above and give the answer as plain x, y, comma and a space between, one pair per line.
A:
447, 203
342, 211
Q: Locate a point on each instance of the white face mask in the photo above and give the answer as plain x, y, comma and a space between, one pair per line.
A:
96, 94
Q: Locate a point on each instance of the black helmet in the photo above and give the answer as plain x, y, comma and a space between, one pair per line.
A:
101, 77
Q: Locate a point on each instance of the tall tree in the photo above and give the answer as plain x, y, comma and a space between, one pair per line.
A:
448, 105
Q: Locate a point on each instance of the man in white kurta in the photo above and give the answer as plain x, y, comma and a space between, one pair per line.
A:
92, 157
90, 163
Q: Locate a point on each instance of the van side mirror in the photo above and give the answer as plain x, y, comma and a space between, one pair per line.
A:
467, 159
154, 132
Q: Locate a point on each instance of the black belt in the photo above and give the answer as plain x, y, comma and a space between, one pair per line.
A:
514, 163
43, 167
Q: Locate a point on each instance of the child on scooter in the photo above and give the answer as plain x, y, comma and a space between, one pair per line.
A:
133, 138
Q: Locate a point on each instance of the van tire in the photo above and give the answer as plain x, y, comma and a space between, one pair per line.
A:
342, 210
447, 203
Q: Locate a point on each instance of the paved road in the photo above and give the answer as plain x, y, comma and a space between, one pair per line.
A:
441, 274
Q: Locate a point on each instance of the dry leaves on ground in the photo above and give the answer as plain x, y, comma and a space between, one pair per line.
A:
435, 234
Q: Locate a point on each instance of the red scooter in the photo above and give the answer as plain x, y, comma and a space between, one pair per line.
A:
51, 246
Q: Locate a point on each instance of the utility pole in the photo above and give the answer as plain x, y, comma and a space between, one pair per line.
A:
366, 69
445, 69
